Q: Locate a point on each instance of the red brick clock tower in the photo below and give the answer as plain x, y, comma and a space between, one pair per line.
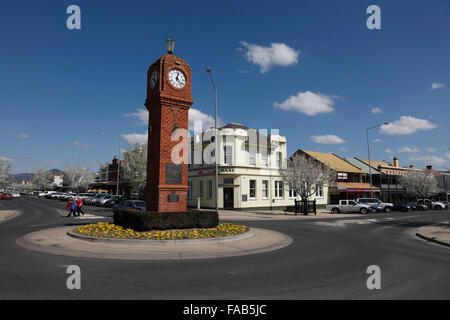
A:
168, 102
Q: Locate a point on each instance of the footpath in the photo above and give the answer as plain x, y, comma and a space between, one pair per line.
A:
438, 233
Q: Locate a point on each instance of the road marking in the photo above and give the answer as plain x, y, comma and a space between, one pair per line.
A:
85, 216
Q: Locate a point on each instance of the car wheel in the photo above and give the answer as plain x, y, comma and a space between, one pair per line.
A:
363, 210
437, 208
387, 209
335, 211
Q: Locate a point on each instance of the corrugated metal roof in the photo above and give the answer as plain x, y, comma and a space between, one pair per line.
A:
334, 162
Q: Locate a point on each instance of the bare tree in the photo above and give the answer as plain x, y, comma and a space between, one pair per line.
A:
135, 167
5, 167
306, 175
421, 184
43, 179
78, 179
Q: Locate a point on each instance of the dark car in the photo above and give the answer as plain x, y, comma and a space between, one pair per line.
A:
131, 204
417, 206
403, 207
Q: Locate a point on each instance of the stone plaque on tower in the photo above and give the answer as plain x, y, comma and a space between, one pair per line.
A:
168, 102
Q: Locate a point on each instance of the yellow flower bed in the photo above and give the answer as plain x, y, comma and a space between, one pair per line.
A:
109, 230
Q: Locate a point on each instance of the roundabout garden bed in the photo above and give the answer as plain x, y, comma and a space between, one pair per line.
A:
107, 230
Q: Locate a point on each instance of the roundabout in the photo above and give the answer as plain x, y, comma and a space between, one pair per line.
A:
64, 241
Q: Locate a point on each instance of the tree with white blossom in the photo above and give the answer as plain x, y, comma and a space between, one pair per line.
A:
78, 179
135, 167
306, 175
5, 168
421, 184
43, 179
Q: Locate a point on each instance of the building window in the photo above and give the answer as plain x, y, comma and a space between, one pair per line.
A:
189, 193
263, 158
319, 192
278, 160
228, 181
201, 189
278, 189
252, 189
228, 154
292, 193
252, 156
265, 188
210, 188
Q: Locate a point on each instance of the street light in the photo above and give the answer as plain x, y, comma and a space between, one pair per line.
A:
368, 152
118, 163
216, 150
170, 45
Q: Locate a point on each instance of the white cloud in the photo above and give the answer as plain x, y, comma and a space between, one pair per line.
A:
308, 103
195, 115
141, 115
388, 151
278, 54
447, 155
81, 145
408, 149
6, 159
19, 135
433, 160
436, 85
376, 110
431, 149
327, 139
134, 138
377, 140
406, 125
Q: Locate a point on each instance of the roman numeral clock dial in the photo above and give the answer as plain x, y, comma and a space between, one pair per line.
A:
177, 78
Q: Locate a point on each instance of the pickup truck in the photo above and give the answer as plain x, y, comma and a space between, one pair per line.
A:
347, 206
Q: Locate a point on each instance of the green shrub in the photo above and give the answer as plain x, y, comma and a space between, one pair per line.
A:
147, 220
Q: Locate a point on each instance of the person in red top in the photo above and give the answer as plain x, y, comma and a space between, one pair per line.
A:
79, 206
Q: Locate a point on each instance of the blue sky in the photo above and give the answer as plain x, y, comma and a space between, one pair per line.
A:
311, 69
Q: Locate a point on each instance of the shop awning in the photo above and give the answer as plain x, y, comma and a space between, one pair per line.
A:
354, 187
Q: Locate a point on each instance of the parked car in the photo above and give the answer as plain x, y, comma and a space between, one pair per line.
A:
403, 207
418, 206
6, 196
91, 200
131, 204
347, 206
385, 206
434, 205
113, 201
101, 202
16, 195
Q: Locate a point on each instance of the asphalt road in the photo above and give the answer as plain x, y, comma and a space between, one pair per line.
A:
327, 260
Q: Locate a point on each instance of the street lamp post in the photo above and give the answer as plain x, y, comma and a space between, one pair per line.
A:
368, 152
118, 160
216, 150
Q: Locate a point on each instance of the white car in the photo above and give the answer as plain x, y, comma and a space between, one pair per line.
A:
435, 205
16, 195
348, 206
385, 206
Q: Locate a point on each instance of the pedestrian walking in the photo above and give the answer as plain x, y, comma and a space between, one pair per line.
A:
72, 206
79, 206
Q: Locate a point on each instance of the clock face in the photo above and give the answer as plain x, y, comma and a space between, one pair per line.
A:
177, 78
153, 79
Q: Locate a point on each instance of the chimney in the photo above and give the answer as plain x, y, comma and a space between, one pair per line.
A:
411, 166
429, 167
395, 162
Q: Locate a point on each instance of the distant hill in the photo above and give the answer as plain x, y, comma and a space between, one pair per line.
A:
19, 177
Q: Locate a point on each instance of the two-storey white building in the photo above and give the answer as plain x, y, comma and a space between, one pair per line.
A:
249, 166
